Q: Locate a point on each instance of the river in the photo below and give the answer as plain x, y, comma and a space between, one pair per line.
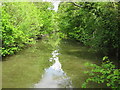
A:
42, 66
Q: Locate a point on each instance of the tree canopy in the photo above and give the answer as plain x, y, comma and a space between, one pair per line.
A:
95, 24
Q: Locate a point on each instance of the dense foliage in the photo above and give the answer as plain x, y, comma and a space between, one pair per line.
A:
22, 22
93, 24
106, 73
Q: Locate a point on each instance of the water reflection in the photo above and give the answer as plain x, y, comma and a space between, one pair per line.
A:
54, 76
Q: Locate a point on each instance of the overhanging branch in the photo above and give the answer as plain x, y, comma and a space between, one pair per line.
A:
76, 4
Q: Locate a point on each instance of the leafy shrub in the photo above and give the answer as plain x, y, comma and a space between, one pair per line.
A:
94, 24
106, 73
22, 22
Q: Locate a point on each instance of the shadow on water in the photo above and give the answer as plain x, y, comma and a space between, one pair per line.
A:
73, 58
83, 55
77, 50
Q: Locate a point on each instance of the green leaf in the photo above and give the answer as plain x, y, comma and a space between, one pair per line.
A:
104, 58
116, 72
108, 84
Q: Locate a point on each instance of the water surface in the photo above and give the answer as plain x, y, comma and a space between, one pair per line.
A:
43, 66
54, 76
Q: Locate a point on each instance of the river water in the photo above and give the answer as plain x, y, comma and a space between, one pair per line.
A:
54, 76
41, 66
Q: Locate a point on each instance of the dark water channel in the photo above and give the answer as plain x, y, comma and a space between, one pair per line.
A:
41, 66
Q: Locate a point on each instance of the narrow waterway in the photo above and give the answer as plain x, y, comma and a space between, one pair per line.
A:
41, 66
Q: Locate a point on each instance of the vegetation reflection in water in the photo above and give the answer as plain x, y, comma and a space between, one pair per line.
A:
73, 58
27, 67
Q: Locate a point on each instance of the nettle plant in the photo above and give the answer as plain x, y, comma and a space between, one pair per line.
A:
106, 73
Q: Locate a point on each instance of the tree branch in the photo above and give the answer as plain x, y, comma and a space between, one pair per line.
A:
76, 4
